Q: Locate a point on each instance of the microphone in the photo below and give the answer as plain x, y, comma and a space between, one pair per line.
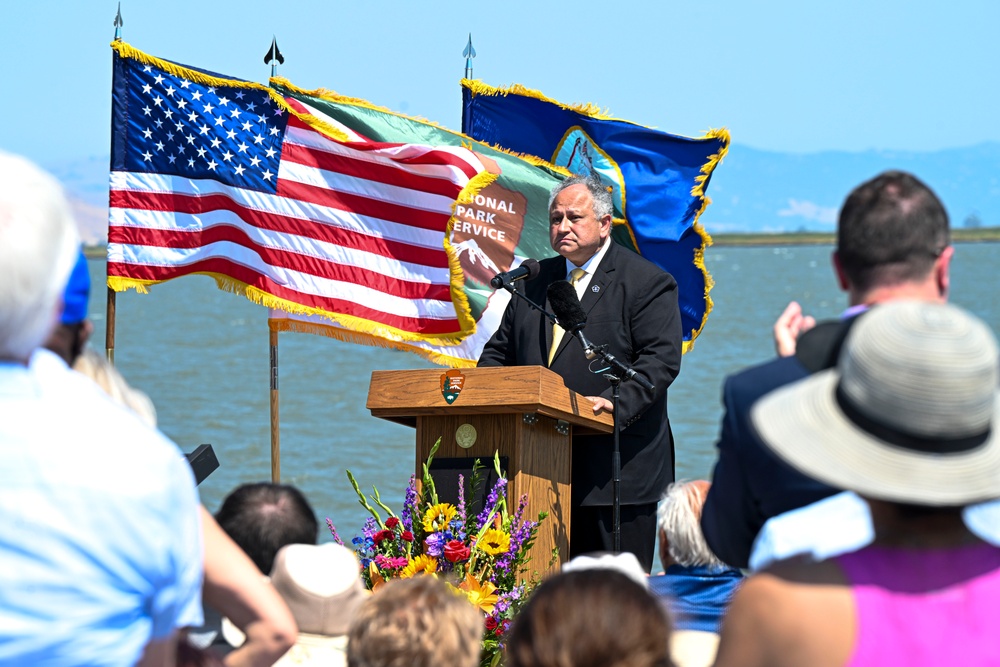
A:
528, 270
572, 318
566, 305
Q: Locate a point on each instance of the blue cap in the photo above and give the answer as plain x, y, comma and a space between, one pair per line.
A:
77, 292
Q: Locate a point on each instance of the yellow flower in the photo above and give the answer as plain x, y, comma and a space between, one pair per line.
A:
437, 517
482, 595
418, 565
494, 542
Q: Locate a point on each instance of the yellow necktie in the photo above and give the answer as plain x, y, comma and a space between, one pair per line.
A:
557, 331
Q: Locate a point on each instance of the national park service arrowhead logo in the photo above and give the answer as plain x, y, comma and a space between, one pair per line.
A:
451, 385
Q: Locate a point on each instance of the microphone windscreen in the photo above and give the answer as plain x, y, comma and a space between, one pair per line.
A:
566, 305
533, 268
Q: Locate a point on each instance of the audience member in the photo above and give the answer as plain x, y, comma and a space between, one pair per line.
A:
322, 586
593, 617
910, 420
892, 243
416, 622
625, 562
70, 335
263, 517
235, 587
259, 518
695, 584
100, 563
96, 366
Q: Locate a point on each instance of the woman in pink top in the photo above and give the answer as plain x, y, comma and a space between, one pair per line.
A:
910, 420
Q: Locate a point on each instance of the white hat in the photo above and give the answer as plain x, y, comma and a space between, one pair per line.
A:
625, 563
911, 414
323, 589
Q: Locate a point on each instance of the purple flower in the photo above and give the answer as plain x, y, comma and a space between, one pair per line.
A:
461, 499
435, 544
333, 531
491, 502
370, 527
410, 503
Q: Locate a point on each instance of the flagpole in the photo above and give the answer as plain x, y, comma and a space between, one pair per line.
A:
109, 330
275, 435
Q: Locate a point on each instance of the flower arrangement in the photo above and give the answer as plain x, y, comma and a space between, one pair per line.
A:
482, 555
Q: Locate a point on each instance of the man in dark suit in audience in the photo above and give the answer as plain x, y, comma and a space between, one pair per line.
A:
631, 306
893, 242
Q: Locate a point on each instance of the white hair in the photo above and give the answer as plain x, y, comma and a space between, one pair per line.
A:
679, 520
39, 244
602, 205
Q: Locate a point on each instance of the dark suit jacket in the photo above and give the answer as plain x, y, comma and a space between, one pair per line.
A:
631, 305
750, 484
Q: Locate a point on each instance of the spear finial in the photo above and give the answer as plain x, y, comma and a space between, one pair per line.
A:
119, 23
469, 53
273, 56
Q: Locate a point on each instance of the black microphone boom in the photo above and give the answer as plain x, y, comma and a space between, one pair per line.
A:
528, 270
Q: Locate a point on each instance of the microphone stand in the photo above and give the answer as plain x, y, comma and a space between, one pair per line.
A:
618, 372
616, 466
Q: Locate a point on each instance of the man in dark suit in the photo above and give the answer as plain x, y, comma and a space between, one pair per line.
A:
892, 243
631, 306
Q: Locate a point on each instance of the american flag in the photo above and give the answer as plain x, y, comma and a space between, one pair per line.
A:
219, 176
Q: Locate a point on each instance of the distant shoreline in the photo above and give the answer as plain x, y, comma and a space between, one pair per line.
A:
963, 235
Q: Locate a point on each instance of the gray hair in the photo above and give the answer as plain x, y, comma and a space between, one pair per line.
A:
679, 520
603, 203
39, 245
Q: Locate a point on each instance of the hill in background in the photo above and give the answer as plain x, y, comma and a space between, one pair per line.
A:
752, 191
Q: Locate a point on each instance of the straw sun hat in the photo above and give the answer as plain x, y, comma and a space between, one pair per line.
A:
911, 414
322, 587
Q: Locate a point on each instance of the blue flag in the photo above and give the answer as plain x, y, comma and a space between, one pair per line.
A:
658, 179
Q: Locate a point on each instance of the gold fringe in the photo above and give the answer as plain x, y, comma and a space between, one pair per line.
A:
477, 87
463, 310
120, 284
356, 337
128, 51
713, 161
706, 240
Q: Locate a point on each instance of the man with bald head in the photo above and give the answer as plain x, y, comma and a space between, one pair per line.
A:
631, 306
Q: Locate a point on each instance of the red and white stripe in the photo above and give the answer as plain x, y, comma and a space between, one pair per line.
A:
354, 228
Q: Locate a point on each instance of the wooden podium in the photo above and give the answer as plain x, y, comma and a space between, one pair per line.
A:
525, 413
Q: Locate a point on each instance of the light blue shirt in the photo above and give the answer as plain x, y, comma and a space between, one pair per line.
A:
100, 540
840, 524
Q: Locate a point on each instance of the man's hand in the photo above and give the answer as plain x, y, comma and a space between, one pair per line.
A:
790, 325
601, 404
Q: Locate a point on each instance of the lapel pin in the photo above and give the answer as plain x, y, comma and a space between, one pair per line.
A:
595, 289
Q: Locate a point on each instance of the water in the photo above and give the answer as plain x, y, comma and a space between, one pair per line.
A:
202, 356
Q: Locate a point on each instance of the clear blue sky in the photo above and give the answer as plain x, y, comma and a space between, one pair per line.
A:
787, 75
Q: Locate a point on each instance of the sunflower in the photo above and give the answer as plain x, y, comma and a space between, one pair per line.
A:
419, 565
437, 517
482, 595
494, 542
